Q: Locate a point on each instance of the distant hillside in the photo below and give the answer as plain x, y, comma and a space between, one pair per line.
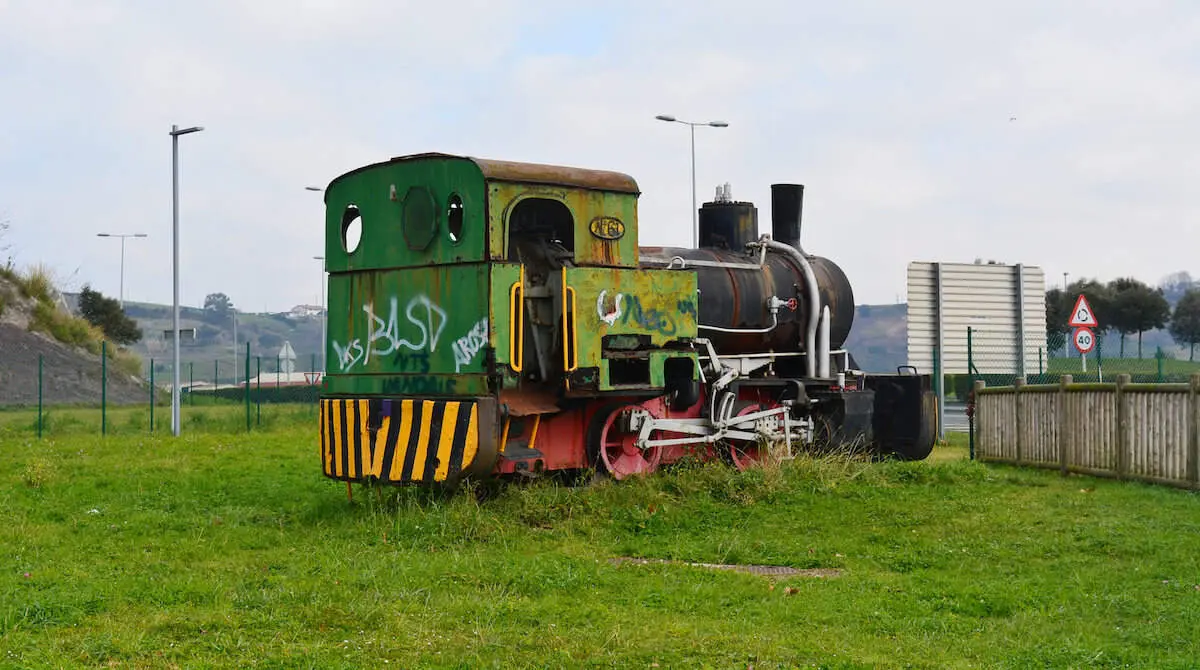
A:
879, 338
214, 343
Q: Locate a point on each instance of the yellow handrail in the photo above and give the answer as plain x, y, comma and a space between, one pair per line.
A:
516, 327
570, 333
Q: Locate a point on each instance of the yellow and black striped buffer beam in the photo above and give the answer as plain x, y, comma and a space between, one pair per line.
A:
398, 441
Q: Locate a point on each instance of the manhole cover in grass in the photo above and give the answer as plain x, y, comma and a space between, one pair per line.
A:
772, 570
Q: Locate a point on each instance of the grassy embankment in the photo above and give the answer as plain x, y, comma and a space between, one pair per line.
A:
226, 549
35, 285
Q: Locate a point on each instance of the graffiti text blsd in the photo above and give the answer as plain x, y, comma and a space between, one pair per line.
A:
427, 320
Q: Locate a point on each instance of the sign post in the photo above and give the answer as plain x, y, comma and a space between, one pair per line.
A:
1083, 320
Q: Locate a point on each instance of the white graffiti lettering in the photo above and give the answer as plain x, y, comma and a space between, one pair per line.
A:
467, 346
608, 317
349, 355
383, 334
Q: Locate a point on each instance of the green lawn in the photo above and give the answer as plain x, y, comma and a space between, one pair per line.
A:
220, 549
1127, 365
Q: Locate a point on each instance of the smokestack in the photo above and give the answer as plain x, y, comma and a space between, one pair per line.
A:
787, 203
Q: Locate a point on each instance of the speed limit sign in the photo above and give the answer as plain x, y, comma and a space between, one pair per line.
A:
1085, 340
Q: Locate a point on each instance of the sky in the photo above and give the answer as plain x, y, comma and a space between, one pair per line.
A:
1055, 134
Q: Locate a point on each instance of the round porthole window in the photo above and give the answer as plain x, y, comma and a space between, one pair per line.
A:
419, 218
351, 228
454, 218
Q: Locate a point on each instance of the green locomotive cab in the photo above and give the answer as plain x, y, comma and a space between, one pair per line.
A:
465, 294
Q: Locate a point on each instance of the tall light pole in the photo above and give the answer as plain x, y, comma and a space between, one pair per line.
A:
122, 236
325, 312
175, 133
695, 213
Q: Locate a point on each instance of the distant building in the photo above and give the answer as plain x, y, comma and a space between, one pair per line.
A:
305, 312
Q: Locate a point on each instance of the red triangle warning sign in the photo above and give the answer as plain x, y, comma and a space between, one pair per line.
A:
1082, 315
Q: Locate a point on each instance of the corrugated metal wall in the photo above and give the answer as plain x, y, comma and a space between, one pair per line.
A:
1149, 432
984, 297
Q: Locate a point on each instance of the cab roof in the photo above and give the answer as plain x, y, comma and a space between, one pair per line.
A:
528, 173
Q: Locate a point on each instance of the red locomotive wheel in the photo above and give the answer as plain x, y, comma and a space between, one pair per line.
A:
615, 446
746, 453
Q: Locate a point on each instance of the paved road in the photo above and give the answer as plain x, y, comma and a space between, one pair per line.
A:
955, 419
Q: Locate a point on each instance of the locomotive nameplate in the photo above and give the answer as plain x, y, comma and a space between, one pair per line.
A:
607, 227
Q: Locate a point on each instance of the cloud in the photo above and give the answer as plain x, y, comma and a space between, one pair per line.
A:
894, 116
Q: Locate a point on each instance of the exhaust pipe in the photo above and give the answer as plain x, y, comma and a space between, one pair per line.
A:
787, 205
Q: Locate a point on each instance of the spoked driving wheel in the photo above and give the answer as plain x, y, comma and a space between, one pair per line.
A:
742, 453
612, 444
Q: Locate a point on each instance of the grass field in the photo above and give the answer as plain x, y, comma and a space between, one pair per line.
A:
1147, 365
226, 549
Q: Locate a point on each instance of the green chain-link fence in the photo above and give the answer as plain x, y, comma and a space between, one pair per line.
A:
112, 397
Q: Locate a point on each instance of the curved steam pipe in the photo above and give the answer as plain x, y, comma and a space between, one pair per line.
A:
814, 301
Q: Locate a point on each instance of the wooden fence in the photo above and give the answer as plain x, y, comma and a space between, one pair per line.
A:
1147, 432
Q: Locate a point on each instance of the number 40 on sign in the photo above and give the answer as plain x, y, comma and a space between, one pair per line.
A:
1085, 340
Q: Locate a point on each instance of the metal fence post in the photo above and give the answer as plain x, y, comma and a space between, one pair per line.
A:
39, 423
216, 376
192, 383
247, 386
151, 395
940, 390
104, 387
258, 391
972, 399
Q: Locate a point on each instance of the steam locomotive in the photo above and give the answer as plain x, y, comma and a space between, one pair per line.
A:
491, 318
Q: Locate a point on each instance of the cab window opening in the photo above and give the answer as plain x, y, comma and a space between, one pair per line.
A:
538, 222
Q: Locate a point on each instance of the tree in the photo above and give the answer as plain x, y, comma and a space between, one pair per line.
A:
1123, 315
106, 314
1185, 322
1058, 313
218, 303
269, 341
1137, 308
1175, 285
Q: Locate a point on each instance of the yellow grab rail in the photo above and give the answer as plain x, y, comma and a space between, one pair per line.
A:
516, 326
570, 333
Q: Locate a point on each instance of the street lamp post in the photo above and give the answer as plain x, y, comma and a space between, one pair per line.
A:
325, 312
122, 236
175, 133
695, 213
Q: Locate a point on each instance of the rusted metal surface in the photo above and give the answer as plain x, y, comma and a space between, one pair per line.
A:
529, 402
728, 225
556, 175
528, 173
735, 298
602, 229
1142, 432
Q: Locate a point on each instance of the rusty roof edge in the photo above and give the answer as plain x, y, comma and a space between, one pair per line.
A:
531, 173
556, 175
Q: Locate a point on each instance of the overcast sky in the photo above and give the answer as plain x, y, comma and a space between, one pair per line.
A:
897, 116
